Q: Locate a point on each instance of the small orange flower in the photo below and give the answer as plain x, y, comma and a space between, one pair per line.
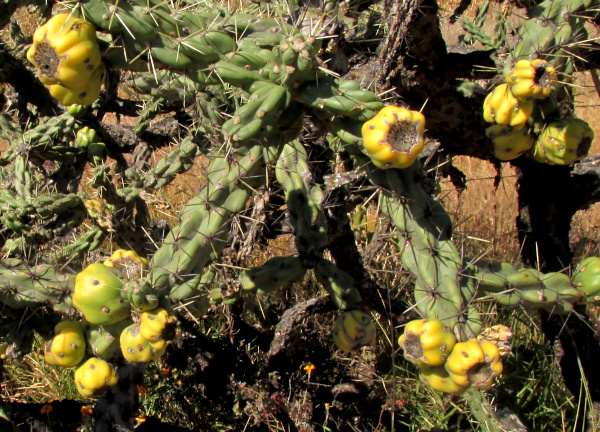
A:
309, 368
142, 390
46, 409
86, 412
165, 371
141, 418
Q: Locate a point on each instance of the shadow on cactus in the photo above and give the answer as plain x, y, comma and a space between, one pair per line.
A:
293, 148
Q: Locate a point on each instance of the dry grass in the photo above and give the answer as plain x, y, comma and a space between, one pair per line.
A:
33, 380
484, 216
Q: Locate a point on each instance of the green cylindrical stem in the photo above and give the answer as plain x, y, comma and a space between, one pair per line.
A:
90, 240
178, 161
528, 288
553, 32
273, 274
483, 411
303, 197
338, 284
22, 178
442, 290
202, 233
329, 98
33, 286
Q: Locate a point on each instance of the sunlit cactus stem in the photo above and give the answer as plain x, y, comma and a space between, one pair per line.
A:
24, 286
202, 233
443, 289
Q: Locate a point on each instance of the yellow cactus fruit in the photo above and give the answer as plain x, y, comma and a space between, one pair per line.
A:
427, 342
121, 256
474, 363
128, 262
157, 325
503, 108
439, 379
136, 348
394, 137
94, 376
353, 329
65, 51
67, 347
100, 212
509, 143
563, 142
84, 93
532, 79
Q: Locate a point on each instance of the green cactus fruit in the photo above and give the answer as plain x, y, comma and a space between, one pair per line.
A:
141, 295
103, 341
136, 348
97, 295
96, 153
77, 111
563, 142
67, 347
586, 278
85, 136
94, 376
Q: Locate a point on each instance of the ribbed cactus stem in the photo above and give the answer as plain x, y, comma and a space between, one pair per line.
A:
204, 226
483, 411
302, 197
338, 284
33, 286
22, 178
273, 274
553, 32
44, 135
178, 161
173, 87
527, 288
443, 289
89, 241
329, 98
178, 39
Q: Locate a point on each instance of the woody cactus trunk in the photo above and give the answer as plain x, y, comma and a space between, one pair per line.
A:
294, 136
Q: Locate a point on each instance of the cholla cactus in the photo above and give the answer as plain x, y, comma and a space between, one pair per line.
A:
245, 85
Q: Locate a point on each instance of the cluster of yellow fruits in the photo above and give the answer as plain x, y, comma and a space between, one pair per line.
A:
445, 364
141, 342
67, 59
510, 105
100, 296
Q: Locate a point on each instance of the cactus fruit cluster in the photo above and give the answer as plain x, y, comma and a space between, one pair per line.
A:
509, 107
524, 111
286, 142
559, 143
106, 299
445, 364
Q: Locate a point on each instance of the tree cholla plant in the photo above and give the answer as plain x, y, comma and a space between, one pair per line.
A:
277, 109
